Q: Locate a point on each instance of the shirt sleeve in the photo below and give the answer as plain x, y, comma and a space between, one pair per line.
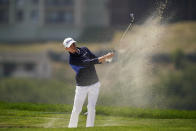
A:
86, 62
92, 55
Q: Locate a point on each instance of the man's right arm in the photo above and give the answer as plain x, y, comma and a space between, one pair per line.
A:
86, 62
102, 58
89, 62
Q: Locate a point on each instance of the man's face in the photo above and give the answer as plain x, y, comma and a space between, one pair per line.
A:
72, 48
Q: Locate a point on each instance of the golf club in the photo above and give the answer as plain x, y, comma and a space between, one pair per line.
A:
124, 33
129, 27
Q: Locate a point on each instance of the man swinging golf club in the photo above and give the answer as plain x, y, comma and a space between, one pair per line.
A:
82, 61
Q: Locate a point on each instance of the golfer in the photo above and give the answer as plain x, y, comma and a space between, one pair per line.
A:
82, 61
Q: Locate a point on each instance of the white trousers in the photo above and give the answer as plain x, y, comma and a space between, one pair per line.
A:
80, 94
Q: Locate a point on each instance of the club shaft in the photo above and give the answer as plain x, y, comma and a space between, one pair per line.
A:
124, 34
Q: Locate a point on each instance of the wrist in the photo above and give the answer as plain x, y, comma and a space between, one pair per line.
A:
101, 59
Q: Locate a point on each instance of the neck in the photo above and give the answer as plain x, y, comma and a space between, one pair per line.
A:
75, 51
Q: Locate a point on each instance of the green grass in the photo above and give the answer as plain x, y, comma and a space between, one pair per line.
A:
36, 120
27, 116
104, 110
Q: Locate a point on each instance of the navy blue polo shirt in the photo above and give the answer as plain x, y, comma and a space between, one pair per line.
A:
83, 64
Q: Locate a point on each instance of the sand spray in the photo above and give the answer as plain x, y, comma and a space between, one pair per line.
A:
126, 81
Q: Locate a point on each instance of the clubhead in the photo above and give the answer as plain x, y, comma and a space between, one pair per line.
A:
132, 17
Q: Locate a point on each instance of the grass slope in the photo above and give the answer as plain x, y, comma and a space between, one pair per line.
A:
26, 116
104, 110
